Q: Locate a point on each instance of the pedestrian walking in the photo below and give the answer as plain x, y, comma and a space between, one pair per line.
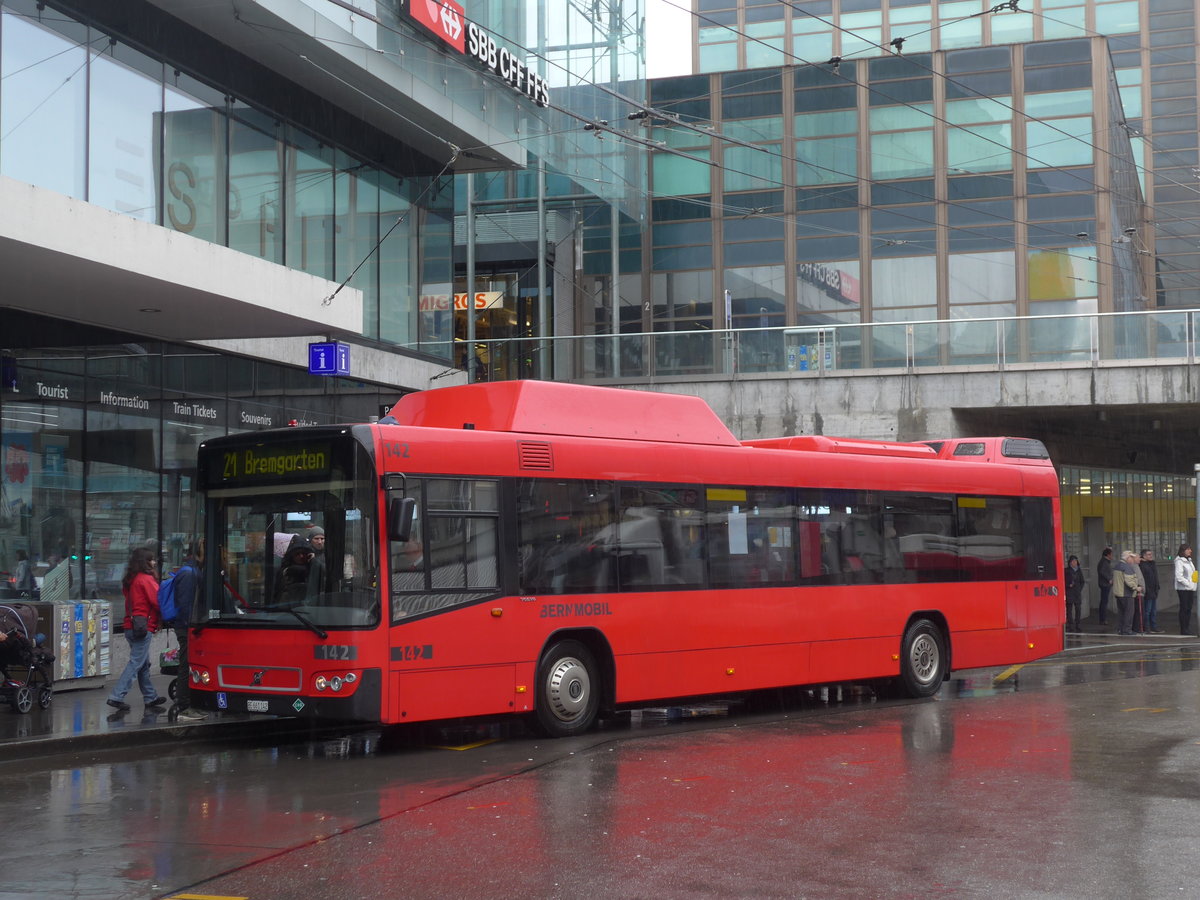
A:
187, 582
142, 620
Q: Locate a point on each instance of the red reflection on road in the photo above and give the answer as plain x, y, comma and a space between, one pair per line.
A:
949, 796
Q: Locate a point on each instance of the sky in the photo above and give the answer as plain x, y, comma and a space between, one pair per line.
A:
668, 38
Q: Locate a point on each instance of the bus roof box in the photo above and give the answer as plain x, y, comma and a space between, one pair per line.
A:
555, 408
819, 443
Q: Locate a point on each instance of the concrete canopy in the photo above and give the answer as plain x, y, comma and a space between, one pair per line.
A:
66, 258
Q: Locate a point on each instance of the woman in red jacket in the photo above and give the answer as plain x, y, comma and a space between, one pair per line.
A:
140, 587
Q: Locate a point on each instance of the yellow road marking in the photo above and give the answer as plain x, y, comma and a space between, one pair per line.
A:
467, 746
1107, 662
1013, 670
1152, 709
1007, 673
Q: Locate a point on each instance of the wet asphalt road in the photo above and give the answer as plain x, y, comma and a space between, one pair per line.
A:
1075, 777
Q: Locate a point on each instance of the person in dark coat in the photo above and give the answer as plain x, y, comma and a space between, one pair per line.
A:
291, 585
1150, 606
187, 585
318, 575
1104, 578
1073, 580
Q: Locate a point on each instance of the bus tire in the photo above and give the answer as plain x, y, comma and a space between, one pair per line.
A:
923, 659
568, 690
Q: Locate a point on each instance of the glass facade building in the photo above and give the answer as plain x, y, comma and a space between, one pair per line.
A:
1152, 46
952, 185
99, 432
330, 145
85, 114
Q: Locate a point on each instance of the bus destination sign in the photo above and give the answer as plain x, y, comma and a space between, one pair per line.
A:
284, 461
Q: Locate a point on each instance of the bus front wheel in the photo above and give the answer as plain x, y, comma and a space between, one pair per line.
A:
922, 659
568, 690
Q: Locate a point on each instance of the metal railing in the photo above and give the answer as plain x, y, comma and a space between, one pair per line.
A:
1155, 336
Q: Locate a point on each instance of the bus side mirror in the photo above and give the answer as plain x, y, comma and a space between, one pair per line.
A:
401, 511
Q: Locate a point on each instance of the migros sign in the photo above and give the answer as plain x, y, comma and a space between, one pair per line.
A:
447, 20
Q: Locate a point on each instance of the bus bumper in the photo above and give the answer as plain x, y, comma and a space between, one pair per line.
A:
364, 705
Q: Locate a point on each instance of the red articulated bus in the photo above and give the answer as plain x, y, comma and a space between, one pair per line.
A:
560, 551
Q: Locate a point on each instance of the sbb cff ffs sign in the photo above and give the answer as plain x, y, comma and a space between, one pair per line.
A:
501, 62
444, 18
447, 20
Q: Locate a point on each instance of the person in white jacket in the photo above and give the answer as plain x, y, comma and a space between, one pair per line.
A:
1185, 587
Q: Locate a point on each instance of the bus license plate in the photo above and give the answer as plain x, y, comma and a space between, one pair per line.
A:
256, 706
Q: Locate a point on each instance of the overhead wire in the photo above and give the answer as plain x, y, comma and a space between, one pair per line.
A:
1090, 185
932, 72
650, 145
581, 118
597, 126
455, 150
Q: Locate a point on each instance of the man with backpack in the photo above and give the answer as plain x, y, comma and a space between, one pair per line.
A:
177, 595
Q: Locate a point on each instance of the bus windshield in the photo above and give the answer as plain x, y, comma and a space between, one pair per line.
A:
299, 555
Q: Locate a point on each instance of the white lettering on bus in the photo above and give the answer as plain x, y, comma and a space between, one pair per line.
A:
559, 610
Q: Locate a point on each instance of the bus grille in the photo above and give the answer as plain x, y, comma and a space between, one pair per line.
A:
260, 678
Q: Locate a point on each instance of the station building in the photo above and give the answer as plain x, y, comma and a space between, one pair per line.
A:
848, 203
192, 193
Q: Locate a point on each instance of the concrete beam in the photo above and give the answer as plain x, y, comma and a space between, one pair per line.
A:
67, 258
1121, 415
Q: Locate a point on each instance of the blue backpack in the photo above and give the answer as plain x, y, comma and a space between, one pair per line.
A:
167, 606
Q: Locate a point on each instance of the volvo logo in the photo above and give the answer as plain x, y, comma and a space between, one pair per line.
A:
258, 677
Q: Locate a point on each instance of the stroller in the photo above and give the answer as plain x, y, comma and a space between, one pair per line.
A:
25, 671
168, 664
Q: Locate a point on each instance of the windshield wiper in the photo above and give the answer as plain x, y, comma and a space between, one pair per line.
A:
309, 624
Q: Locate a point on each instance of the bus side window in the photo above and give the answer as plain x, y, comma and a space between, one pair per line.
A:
990, 542
408, 557
751, 536
558, 529
1038, 526
651, 542
924, 529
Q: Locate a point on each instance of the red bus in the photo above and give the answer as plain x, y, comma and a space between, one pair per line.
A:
561, 551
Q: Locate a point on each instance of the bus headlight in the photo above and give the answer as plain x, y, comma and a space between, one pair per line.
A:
335, 681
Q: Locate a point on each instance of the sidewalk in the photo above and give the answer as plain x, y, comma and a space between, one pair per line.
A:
79, 719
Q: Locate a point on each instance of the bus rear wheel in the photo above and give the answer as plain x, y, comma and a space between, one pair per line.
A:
568, 690
923, 659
